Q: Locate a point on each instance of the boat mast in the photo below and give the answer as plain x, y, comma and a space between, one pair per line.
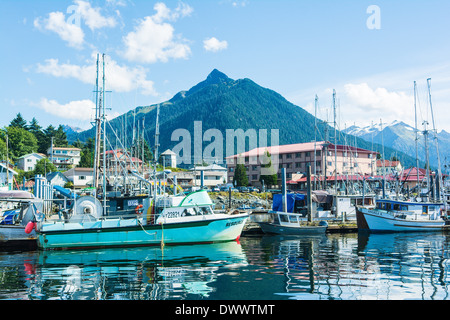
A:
97, 135
316, 100
335, 142
382, 159
155, 160
104, 139
439, 177
417, 136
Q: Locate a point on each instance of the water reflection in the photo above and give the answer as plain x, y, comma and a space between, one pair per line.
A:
332, 266
132, 274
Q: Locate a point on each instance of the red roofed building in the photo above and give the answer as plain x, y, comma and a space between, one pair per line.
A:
295, 158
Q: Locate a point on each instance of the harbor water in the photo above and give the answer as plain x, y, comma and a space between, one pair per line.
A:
353, 266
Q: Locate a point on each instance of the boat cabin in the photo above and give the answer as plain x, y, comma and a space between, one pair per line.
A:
433, 210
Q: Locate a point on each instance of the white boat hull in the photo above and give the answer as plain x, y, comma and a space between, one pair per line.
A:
380, 221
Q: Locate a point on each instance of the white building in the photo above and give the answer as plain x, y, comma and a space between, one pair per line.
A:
169, 158
81, 177
62, 158
6, 177
28, 161
212, 175
57, 178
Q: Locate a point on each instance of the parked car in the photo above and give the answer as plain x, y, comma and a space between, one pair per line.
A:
243, 189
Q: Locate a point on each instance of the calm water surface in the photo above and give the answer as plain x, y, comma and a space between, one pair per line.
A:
338, 267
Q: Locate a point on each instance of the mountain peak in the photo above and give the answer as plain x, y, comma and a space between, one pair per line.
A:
214, 78
217, 77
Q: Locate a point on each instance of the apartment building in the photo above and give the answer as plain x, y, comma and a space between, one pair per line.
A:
64, 157
329, 160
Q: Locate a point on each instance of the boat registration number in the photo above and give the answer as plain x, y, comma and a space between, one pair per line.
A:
173, 214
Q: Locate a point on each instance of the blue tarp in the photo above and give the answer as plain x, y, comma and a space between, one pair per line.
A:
290, 200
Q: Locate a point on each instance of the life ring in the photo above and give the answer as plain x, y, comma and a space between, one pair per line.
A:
139, 209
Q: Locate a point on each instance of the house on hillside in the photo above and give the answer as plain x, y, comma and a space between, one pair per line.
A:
64, 157
28, 161
81, 177
57, 179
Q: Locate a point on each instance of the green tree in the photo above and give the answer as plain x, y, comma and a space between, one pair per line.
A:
46, 141
60, 137
271, 177
240, 176
44, 166
18, 122
87, 153
20, 141
36, 130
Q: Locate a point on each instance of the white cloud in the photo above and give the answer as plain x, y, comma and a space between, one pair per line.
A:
56, 22
69, 28
214, 45
92, 17
154, 40
77, 110
118, 78
362, 104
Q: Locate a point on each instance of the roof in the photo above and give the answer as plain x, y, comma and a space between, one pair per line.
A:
212, 167
33, 154
65, 148
52, 175
169, 152
299, 147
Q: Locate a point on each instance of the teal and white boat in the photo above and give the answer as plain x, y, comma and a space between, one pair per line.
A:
168, 220
98, 221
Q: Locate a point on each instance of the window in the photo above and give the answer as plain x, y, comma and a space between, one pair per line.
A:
298, 155
254, 177
231, 169
289, 156
82, 177
308, 154
297, 164
254, 168
29, 160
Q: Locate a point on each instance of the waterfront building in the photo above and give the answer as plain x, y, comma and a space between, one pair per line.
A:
330, 161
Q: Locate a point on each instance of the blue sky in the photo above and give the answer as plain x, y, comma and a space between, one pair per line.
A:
157, 48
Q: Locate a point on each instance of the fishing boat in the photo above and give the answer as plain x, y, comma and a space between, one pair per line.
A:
17, 211
168, 220
285, 218
426, 213
154, 218
288, 222
395, 215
